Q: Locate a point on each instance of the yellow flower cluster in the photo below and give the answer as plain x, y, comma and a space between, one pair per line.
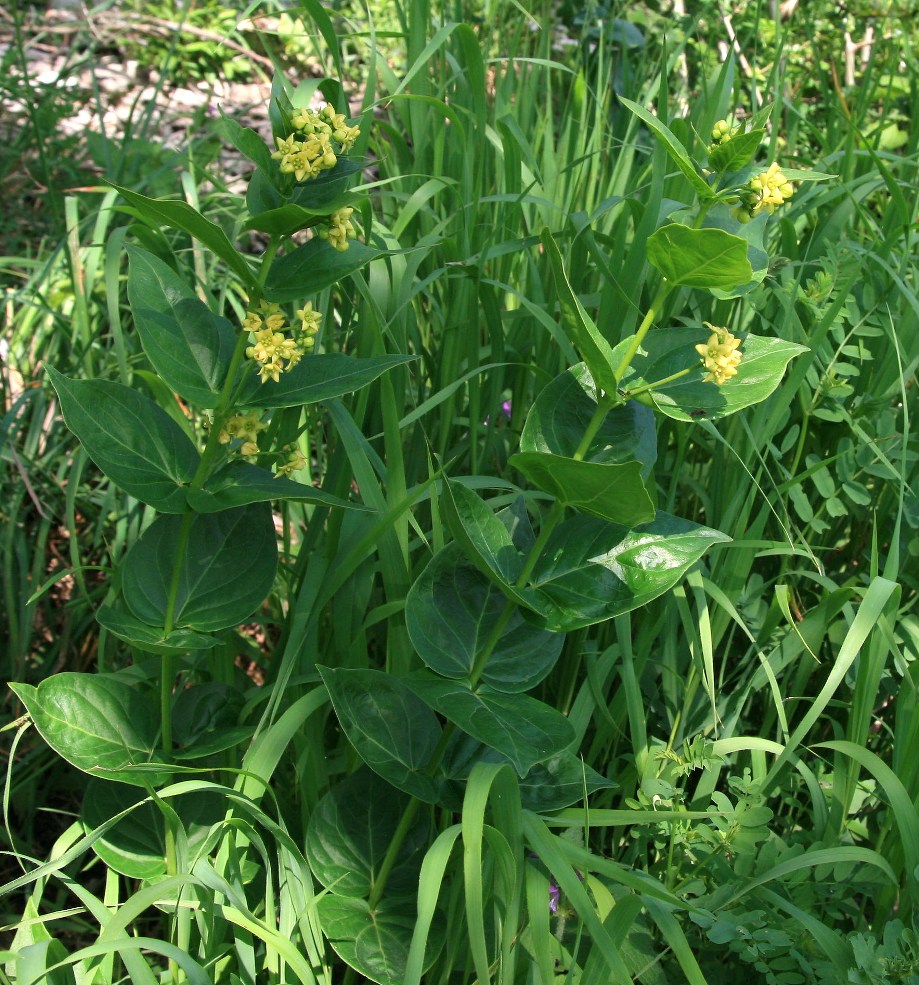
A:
295, 461
766, 191
722, 132
246, 427
339, 230
720, 355
272, 349
309, 326
325, 135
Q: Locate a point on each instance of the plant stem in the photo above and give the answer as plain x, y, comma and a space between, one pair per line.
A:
389, 860
646, 323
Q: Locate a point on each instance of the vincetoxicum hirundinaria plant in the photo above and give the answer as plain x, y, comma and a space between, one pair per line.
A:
488, 615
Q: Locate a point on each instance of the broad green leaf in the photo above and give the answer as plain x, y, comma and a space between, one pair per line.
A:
318, 193
313, 267
613, 492
187, 344
667, 351
289, 218
132, 440
592, 570
180, 215
689, 257
594, 349
34, 960
754, 231
98, 723
735, 153
673, 147
376, 942
250, 144
317, 377
136, 845
203, 709
391, 728
451, 612
151, 639
350, 830
227, 563
240, 483
482, 536
549, 786
521, 728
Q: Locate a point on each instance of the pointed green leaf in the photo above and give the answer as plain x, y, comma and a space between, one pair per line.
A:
735, 153
98, 723
689, 257
391, 728
592, 570
240, 483
593, 347
152, 639
187, 344
376, 942
673, 147
451, 612
753, 232
203, 710
180, 215
313, 267
134, 442
289, 218
667, 351
350, 831
227, 563
317, 377
521, 728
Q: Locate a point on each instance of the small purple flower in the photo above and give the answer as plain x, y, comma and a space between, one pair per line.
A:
555, 895
506, 407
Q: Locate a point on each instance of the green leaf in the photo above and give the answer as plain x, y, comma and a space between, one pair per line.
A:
735, 153
289, 218
151, 639
521, 728
187, 344
673, 147
392, 729
313, 267
592, 570
483, 538
318, 377
203, 709
180, 215
318, 193
350, 830
593, 347
33, 960
549, 786
136, 845
227, 563
667, 351
132, 440
98, 723
614, 492
754, 231
689, 257
451, 612
240, 483
376, 942
250, 144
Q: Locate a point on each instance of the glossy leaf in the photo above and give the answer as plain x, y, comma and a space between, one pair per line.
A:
136, 845
552, 785
287, 219
451, 612
735, 153
674, 148
376, 942
180, 215
391, 728
689, 257
317, 377
667, 351
126, 626
592, 570
227, 567
754, 232
132, 440
187, 344
592, 346
240, 483
350, 830
98, 723
521, 728
313, 267
203, 709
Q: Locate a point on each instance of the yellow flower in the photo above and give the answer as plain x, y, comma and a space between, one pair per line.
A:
309, 319
339, 230
309, 157
720, 355
295, 461
246, 427
769, 189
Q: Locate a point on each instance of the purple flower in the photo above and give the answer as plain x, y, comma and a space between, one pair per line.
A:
555, 895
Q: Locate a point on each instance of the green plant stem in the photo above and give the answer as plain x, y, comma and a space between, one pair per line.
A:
658, 383
646, 323
389, 860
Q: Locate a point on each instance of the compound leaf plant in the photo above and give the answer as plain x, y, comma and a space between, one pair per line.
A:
488, 614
